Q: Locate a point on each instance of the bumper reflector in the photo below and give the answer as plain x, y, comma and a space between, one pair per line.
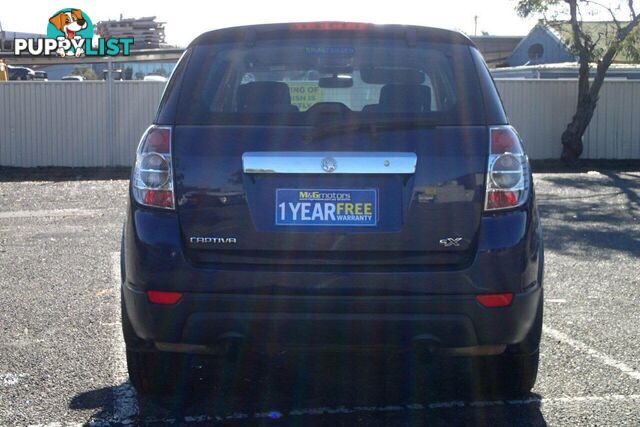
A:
166, 298
495, 300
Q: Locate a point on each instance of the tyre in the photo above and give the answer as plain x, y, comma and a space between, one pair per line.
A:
513, 373
150, 372
505, 376
158, 373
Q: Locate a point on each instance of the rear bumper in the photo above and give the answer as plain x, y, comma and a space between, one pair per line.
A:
305, 307
450, 321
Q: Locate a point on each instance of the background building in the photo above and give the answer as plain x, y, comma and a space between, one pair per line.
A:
496, 49
7, 37
550, 43
146, 32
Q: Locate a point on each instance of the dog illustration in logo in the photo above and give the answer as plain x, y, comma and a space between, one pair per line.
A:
69, 23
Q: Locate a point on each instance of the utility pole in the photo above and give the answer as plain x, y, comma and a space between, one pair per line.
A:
475, 25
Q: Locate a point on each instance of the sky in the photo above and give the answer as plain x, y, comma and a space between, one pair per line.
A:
187, 19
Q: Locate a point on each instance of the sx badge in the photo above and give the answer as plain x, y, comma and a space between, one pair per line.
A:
451, 241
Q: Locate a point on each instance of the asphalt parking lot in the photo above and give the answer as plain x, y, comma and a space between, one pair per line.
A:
62, 358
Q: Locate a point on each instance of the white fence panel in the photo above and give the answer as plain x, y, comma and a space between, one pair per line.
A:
135, 104
72, 124
79, 124
541, 109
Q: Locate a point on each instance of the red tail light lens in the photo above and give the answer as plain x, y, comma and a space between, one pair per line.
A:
153, 172
157, 140
504, 139
500, 199
495, 300
507, 172
165, 298
160, 198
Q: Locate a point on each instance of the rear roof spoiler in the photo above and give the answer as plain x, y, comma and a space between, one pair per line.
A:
412, 33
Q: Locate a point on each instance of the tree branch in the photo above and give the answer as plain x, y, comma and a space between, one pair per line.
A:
608, 9
578, 35
594, 44
624, 32
607, 59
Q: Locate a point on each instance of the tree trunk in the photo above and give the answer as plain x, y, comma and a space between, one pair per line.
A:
588, 95
572, 136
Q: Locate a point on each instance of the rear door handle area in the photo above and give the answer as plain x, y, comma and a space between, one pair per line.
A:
295, 162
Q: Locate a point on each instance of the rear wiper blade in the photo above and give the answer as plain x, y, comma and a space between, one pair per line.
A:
373, 126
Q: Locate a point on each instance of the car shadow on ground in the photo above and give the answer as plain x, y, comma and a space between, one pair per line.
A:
585, 219
329, 390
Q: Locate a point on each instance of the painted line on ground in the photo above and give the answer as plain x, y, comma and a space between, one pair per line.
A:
125, 406
399, 409
602, 357
9, 379
125, 401
43, 213
57, 424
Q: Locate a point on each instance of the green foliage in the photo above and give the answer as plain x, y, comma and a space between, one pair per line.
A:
527, 8
597, 36
85, 72
630, 48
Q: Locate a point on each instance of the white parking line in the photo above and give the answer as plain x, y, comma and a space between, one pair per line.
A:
125, 403
48, 213
126, 408
57, 424
413, 407
604, 358
10, 379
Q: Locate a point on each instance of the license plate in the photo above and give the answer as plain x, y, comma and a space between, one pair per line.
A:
336, 208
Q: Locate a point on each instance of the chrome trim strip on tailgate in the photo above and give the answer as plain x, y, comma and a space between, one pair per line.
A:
296, 162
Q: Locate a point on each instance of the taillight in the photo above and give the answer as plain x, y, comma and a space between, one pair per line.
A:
329, 26
495, 300
164, 298
153, 172
508, 170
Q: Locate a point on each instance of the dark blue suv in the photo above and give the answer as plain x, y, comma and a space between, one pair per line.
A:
336, 185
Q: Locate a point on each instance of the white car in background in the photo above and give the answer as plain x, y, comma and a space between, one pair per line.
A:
41, 76
154, 78
74, 78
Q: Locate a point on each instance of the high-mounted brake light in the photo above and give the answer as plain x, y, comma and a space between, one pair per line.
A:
507, 172
329, 26
153, 172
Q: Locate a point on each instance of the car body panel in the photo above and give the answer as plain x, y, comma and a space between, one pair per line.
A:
415, 276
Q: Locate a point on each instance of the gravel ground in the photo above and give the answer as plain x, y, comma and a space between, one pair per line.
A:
61, 355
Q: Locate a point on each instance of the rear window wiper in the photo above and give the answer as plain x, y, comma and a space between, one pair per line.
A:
372, 126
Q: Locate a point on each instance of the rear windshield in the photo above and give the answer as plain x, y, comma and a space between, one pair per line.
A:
301, 81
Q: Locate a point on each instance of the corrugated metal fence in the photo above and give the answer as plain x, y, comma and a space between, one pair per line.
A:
74, 123
541, 109
79, 124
